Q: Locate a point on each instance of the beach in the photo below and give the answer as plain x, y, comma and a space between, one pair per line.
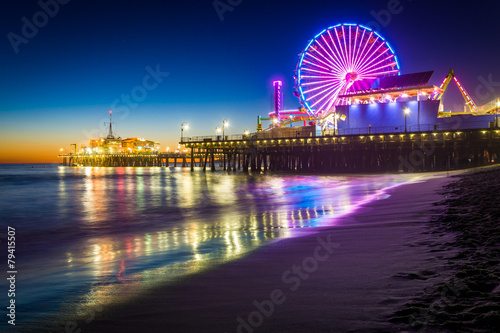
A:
352, 277
469, 301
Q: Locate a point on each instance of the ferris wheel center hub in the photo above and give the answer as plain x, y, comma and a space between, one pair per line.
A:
353, 76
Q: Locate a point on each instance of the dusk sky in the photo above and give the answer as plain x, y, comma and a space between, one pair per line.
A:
58, 83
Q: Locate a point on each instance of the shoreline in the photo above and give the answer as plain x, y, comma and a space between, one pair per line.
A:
375, 270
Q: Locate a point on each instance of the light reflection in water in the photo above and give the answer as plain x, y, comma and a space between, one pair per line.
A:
150, 226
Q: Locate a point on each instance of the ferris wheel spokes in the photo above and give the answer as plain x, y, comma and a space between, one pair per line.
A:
335, 59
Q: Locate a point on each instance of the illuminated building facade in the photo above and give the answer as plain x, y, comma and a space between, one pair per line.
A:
119, 146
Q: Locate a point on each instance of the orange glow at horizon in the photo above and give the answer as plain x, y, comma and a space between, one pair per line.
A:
32, 150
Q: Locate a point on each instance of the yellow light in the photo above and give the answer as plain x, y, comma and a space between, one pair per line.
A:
361, 137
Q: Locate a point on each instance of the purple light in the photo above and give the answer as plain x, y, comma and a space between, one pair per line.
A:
278, 99
335, 59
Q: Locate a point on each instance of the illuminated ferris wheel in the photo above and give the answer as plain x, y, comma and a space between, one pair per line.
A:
335, 60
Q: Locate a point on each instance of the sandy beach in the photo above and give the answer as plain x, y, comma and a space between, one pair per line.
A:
352, 277
469, 301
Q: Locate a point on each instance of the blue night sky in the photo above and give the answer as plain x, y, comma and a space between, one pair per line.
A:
57, 89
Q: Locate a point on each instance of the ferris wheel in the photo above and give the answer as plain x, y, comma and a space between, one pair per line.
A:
335, 59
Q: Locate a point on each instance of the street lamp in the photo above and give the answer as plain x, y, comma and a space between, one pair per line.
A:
217, 131
336, 123
246, 132
184, 125
496, 113
407, 112
225, 124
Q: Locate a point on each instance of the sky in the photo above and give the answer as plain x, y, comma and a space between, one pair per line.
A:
157, 64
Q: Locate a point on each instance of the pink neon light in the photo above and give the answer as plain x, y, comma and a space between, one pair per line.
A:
279, 83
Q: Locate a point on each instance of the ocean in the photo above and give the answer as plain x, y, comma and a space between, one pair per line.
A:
87, 238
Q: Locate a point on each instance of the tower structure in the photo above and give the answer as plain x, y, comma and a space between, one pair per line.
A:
110, 133
278, 99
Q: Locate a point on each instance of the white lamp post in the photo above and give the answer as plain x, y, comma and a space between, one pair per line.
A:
225, 124
407, 112
184, 125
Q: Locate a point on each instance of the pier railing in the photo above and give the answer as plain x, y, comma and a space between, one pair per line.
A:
217, 138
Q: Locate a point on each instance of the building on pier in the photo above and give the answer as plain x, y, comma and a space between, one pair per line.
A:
118, 145
115, 151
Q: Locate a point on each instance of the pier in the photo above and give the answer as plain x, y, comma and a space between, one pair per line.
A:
425, 150
125, 160
371, 150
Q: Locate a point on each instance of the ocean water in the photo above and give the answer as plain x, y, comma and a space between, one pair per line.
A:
87, 238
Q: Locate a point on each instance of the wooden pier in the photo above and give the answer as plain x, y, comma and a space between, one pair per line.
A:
126, 160
381, 152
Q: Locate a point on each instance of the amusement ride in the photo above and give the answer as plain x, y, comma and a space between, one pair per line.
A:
350, 64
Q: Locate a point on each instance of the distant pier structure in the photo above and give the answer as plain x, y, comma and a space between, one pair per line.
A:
113, 151
125, 160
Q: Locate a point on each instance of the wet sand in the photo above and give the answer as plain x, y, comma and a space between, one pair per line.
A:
469, 301
352, 277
